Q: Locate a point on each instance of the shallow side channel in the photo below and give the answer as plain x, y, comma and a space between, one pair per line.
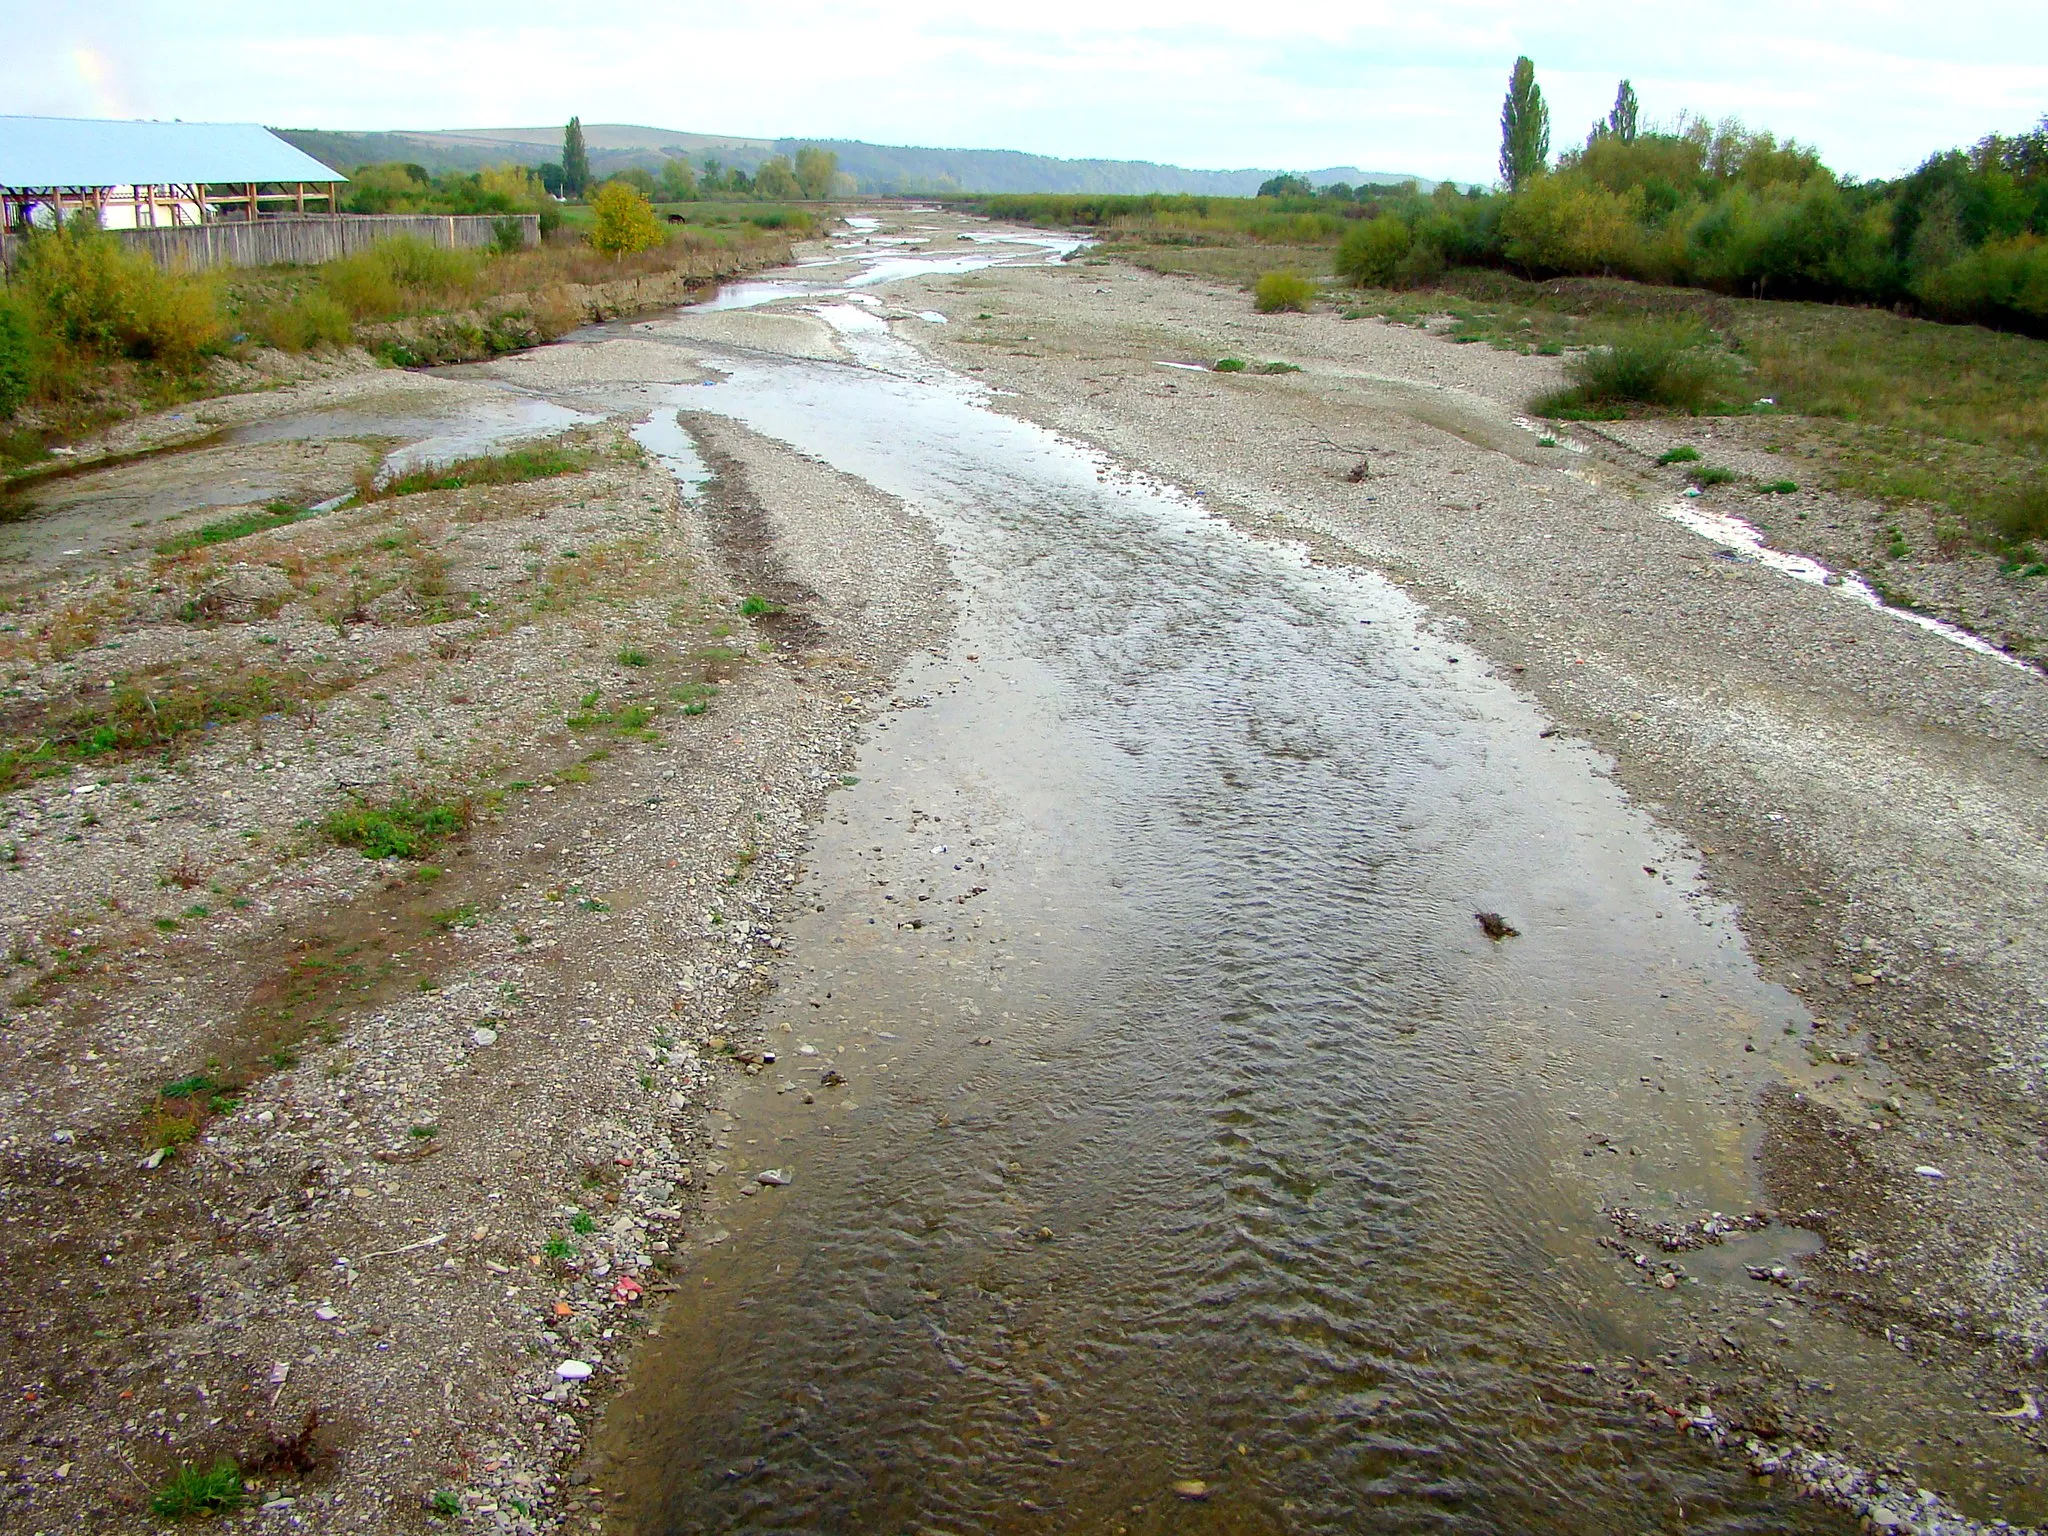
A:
1191, 1128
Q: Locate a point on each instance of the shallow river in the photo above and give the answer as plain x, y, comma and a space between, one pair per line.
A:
1192, 1131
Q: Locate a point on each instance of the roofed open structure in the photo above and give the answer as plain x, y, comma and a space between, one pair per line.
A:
145, 175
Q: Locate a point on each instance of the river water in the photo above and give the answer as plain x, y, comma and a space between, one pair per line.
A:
1167, 1146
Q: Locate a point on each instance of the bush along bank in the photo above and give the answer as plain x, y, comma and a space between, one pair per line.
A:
91, 332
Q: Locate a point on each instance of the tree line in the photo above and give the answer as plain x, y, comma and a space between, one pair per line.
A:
1963, 237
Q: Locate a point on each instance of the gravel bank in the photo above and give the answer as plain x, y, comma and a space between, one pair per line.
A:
433, 1130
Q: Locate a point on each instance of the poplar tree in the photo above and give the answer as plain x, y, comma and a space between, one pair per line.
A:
1524, 129
575, 159
1621, 122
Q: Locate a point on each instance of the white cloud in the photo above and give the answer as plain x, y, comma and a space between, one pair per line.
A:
1390, 86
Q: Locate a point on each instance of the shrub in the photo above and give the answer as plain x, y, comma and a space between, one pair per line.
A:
1229, 365
1567, 223
2025, 515
1666, 363
1710, 474
1278, 291
311, 320
1371, 255
17, 357
2002, 282
85, 291
622, 221
362, 284
1684, 453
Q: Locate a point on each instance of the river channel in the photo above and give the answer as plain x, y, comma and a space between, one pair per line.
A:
1155, 1140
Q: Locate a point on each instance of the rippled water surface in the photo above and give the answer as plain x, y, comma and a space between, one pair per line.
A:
1192, 1129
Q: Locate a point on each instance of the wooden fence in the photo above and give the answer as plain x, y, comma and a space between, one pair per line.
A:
305, 241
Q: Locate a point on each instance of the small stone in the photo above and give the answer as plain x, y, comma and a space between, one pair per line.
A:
326, 1314
573, 1370
484, 1036
1191, 1488
1926, 1171
1862, 979
774, 1176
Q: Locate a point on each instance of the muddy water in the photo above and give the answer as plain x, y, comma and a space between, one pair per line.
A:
1191, 1129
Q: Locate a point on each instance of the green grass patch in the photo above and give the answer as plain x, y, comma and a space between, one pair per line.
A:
1780, 488
1711, 474
278, 514
403, 829
1278, 368
633, 656
754, 606
193, 1490
1683, 454
546, 461
1229, 365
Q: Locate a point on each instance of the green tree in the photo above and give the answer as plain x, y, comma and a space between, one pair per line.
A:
776, 179
575, 159
678, 180
1524, 128
1286, 184
1621, 121
622, 221
815, 169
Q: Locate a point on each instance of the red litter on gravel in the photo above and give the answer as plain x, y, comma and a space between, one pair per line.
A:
627, 1288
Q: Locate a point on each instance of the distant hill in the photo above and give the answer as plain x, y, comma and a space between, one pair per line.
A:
876, 168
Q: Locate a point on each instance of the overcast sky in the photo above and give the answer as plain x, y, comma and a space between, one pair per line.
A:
1409, 86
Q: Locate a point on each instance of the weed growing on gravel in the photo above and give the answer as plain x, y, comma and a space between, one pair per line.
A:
142, 715
1711, 474
444, 1505
633, 656
401, 830
754, 606
583, 1221
189, 1087
695, 698
1780, 488
558, 1249
192, 1490
1278, 368
1684, 453
276, 515
1228, 365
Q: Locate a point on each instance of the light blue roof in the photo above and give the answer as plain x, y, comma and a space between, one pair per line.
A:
93, 152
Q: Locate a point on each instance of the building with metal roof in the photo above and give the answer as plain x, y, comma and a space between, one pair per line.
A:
144, 174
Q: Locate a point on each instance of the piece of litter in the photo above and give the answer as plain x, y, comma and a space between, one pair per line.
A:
773, 1176
627, 1288
1928, 1172
484, 1036
1191, 1488
573, 1370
